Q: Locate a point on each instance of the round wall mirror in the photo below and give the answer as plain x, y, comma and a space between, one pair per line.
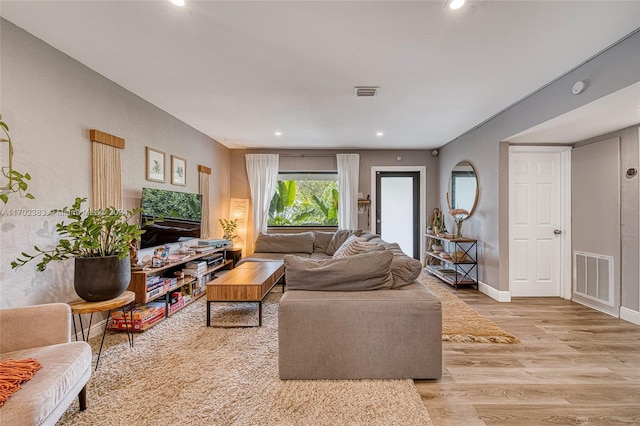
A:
463, 187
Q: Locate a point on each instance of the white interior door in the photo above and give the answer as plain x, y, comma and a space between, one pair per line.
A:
536, 234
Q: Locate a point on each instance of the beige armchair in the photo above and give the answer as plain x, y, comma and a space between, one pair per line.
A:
43, 332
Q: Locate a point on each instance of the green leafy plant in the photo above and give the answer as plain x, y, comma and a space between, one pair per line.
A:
17, 182
328, 210
283, 198
90, 233
229, 228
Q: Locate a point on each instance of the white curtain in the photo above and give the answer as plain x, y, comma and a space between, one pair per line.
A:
262, 170
348, 176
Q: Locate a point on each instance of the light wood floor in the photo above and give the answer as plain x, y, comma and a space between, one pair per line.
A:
575, 366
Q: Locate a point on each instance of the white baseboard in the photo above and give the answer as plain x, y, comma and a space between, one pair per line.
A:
629, 315
495, 294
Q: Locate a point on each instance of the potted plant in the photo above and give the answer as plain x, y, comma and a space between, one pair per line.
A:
16, 181
229, 228
99, 241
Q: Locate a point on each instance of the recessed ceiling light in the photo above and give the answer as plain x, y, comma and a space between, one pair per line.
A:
379, 133
177, 2
456, 4
278, 133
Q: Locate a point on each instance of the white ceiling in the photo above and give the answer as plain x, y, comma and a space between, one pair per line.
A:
239, 71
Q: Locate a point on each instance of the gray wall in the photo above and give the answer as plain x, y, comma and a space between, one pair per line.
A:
629, 242
613, 70
50, 102
595, 226
317, 160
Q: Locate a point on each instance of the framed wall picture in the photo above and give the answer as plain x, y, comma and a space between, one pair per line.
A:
155, 165
178, 171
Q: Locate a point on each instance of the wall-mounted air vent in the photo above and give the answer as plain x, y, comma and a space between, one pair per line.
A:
366, 90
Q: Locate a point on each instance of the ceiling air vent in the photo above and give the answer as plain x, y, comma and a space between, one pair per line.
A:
366, 90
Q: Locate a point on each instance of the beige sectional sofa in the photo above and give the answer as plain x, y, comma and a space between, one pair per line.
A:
43, 332
362, 315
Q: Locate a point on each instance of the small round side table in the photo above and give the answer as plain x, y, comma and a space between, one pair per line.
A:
80, 306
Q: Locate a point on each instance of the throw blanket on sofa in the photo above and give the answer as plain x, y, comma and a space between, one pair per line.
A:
13, 372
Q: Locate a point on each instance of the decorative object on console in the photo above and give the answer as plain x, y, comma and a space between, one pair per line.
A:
437, 222
99, 241
155, 165
459, 216
178, 171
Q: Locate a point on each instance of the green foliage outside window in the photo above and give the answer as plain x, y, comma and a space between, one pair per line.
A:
304, 203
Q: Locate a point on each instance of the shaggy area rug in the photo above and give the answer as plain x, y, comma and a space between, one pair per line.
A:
460, 322
181, 372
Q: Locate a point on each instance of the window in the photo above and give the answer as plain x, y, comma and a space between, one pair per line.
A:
305, 199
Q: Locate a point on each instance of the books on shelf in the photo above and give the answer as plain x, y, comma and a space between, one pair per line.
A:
176, 306
154, 292
143, 317
443, 269
159, 285
195, 268
153, 280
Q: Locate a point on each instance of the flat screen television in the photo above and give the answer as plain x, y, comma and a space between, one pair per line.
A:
180, 213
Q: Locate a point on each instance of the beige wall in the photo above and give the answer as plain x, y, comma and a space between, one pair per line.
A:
318, 160
50, 102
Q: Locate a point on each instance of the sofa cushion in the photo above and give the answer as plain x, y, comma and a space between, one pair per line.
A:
339, 237
368, 236
285, 243
404, 269
355, 245
269, 257
321, 241
66, 367
367, 271
319, 256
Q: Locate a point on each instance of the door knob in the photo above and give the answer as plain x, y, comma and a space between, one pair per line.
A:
557, 231
378, 221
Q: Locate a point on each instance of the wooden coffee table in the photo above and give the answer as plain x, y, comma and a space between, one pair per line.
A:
249, 282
